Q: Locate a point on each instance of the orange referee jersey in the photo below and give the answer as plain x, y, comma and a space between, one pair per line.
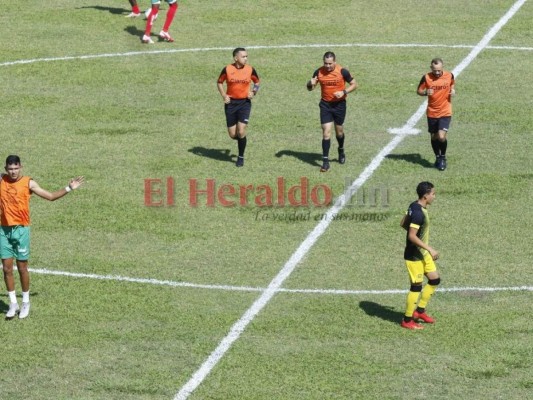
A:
15, 201
331, 82
238, 80
440, 102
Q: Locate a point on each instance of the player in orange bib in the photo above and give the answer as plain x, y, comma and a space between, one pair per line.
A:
439, 86
332, 79
242, 84
15, 193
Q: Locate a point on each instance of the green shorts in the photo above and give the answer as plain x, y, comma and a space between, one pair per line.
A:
15, 242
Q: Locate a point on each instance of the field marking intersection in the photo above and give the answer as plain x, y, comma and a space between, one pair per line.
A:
238, 328
275, 285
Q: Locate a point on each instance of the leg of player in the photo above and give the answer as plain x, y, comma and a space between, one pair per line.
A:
241, 143
9, 280
339, 131
164, 35
22, 267
326, 144
149, 23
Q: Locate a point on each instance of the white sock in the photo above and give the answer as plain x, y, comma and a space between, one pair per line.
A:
26, 297
12, 297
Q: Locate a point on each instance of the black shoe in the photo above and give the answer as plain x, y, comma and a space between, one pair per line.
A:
437, 162
325, 166
342, 156
442, 165
240, 162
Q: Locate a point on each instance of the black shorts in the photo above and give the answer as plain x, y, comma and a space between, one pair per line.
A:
238, 110
439, 124
332, 112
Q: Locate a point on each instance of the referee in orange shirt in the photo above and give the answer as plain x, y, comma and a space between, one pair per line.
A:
332, 79
439, 86
237, 97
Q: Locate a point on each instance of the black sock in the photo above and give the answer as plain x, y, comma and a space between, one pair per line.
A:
326, 144
241, 143
435, 145
443, 147
420, 310
340, 140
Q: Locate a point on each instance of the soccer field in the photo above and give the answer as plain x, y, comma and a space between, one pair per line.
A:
239, 301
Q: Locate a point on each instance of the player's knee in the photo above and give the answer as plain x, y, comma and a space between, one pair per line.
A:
434, 282
416, 287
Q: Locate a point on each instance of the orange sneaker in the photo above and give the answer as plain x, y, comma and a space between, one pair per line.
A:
424, 317
411, 325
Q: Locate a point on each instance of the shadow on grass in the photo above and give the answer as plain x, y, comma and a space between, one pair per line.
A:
112, 10
414, 158
313, 159
215, 154
134, 31
386, 313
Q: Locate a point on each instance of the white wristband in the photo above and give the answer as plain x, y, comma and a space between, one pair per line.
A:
68, 188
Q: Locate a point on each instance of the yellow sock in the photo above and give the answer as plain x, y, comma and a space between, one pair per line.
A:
412, 299
427, 292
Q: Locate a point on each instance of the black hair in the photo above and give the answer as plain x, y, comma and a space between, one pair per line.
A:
12, 159
436, 61
329, 54
238, 50
424, 188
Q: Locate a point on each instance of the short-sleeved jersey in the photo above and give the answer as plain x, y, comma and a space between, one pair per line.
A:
331, 82
238, 80
418, 218
440, 102
15, 201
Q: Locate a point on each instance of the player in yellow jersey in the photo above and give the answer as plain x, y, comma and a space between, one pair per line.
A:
15, 193
419, 258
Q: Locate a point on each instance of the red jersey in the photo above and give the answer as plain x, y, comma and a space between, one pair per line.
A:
440, 102
238, 80
331, 82
15, 201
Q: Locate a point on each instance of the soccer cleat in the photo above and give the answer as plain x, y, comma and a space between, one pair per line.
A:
411, 325
424, 317
147, 39
13, 308
240, 162
342, 156
437, 162
442, 165
133, 15
24, 311
165, 36
325, 166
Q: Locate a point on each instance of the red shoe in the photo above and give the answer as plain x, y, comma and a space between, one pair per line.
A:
424, 317
411, 325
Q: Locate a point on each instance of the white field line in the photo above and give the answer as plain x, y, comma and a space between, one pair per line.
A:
282, 46
238, 328
118, 278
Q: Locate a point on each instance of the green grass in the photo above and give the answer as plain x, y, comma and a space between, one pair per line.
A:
122, 119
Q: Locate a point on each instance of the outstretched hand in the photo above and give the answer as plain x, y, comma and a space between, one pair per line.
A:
76, 182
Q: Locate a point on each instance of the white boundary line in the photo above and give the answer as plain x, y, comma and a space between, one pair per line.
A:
44, 271
238, 328
282, 46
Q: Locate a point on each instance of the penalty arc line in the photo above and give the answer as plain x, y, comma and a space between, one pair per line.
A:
238, 328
